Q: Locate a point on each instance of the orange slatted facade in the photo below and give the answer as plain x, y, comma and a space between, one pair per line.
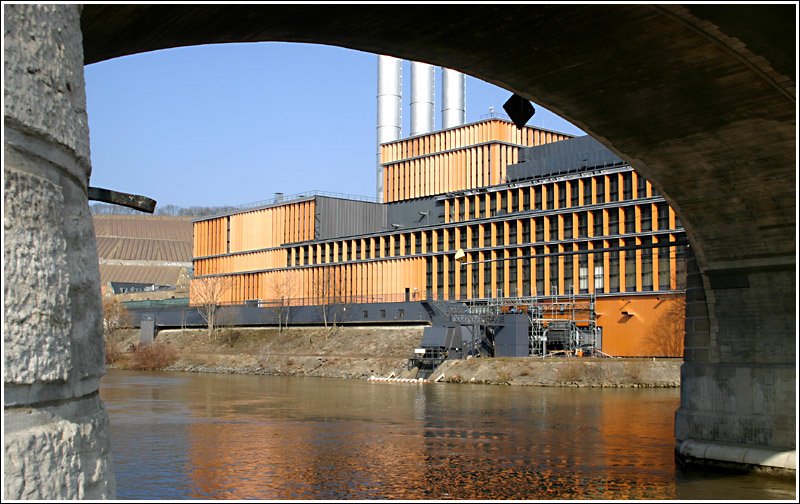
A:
604, 232
455, 159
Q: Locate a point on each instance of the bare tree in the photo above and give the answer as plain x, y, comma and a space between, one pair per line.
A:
330, 285
283, 289
208, 294
115, 315
667, 333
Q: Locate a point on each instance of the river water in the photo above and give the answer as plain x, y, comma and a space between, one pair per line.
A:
207, 436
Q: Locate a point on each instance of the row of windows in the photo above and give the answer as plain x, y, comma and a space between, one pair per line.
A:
552, 228
558, 195
537, 274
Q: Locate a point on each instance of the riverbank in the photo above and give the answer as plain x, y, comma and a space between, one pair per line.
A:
363, 352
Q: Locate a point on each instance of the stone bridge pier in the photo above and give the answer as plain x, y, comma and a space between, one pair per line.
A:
56, 430
701, 99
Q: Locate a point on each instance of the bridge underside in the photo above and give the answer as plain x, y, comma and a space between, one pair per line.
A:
700, 99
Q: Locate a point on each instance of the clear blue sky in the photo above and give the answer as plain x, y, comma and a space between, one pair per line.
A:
231, 124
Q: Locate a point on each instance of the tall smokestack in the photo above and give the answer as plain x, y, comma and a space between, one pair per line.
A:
421, 98
453, 98
390, 73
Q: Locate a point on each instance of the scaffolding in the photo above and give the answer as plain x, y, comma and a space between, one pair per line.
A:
560, 324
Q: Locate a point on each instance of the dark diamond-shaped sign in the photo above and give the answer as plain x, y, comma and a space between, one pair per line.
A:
519, 110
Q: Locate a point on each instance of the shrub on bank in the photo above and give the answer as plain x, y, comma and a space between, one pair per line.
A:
153, 357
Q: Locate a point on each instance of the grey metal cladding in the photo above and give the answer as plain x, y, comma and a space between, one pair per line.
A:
337, 217
566, 156
413, 213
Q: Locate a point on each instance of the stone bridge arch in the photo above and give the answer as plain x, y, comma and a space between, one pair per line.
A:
701, 99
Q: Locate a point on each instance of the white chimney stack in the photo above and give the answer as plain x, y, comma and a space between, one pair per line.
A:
390, 73
453, 98
422, 92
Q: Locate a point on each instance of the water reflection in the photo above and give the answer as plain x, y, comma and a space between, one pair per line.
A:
248, 437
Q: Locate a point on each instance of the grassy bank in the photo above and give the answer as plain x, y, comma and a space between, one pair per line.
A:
361, 352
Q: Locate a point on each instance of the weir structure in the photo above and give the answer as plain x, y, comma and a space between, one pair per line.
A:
700, 98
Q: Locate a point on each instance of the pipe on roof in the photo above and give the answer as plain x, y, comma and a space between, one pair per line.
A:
389, 110
453, 98
422, 92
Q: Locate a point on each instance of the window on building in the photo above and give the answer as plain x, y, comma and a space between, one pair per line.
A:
501, 202
613, 221
383, 313
526, 230
407, 244
664, 268
451, 279
428, 274
627, 186
583, 269
569, 273
613, 271
365, 314
440, 240
647, 267
487, 235
630, 267
401, 313
587, 191
526, 198
537, 197
583, 225
598, 273
512, 277
487, 279
567, 218
554, 280
539, 272
515, 200
647, 217
451, 239
483, 207
501, 275
562, 194
440, 279
305, 255
663, 216
641, 187
462, 280
575, 196
613, 187
539, 222
598, 223
600, 190
553, 227
630, 219
475, 236
550, 196
512, 232
526, 277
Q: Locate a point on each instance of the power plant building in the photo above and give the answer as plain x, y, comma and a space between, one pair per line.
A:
535, 212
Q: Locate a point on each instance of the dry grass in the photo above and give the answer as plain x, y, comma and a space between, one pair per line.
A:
153, 357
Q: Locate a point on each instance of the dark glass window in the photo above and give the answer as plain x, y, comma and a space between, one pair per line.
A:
583, 225
575, 196
600, 190
554, 275
647, 217
526, 277
487, 235
515, 200
526, 230
630, 267
663, 268
598, 223
598, 273
627, 186
663, 216
613, 271
587, 191
440, 279
539, 273
613, 187
583, 269
512, 277
641, 190
512, 232
539, 222
613, 221
550, 197
568, 226
526, 198
553, 228
451, 238
475, 235
647, 267
537, 198
483, 207
440, 240
630, 219
451, 280
562, 194
569, 267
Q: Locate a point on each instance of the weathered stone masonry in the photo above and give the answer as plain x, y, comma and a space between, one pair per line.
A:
56, 430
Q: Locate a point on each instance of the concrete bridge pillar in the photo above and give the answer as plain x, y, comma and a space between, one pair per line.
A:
56, 429
738, 382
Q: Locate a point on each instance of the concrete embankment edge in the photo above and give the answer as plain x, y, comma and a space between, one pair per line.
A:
692, 452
